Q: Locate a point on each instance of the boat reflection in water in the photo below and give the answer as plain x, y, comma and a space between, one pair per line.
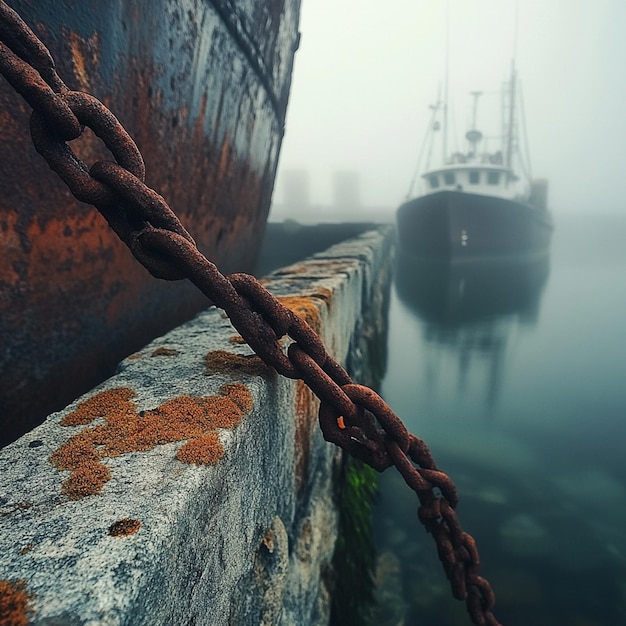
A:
470, 310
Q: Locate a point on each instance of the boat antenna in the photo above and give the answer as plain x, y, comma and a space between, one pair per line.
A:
526, 164
432, 128
473, 135
510, 139
445, 86
516, 29
475, 95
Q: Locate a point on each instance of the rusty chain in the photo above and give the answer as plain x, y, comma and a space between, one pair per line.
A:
351, 416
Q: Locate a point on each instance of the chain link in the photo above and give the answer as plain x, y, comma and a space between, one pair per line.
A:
351, 416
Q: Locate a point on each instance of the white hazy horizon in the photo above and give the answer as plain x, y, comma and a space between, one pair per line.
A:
364, 79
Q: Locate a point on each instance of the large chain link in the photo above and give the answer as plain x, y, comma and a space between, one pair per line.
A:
351, 416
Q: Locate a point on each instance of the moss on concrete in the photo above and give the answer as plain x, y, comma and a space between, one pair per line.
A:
354, 560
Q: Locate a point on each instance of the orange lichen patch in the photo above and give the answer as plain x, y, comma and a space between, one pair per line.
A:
86, 480
304, 307
14, 603
239, 394
104, 403
294, 269
163, 351
75, 452
134, 357
227, 362
126, 430
237, 339
323, 293
206, 450
123, 527
27, 548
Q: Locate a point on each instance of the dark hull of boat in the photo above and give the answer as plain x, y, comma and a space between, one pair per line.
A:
202, 86
461, 225
472, 307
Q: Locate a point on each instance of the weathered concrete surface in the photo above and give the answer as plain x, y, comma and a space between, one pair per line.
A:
289, 241
246, 541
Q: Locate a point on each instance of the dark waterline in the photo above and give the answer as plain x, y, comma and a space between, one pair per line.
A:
516, 379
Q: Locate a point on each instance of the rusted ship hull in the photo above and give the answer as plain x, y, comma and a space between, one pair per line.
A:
202, 86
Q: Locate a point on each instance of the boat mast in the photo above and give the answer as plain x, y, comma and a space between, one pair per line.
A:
444, 134
510, 139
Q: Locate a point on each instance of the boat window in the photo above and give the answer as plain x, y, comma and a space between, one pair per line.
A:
474, 177
434, 181
493, 178
449, 178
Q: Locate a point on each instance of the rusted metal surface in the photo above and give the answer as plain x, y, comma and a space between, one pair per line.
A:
202, 87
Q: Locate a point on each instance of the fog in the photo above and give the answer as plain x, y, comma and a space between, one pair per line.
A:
365, 75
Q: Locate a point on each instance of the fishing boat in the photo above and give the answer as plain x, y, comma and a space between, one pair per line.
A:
202, 87
478, 202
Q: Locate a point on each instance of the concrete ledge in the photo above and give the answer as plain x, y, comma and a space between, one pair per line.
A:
143, 535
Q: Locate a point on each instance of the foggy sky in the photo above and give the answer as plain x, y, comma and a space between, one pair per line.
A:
366, 73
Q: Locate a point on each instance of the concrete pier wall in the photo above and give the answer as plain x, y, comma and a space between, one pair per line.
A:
194, 486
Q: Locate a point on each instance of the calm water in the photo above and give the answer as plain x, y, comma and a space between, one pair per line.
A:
517, 381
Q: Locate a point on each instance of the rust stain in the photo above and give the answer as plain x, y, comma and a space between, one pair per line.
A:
14, 603
224, 166
85, 57
125, 526
126, 430
12, 245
